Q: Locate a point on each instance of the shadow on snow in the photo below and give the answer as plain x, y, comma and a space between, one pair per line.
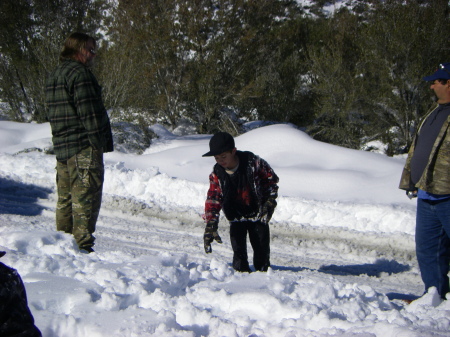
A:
370, 269
376, 269
20, 198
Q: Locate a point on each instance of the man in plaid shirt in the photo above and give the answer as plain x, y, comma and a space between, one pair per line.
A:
81, 134
245, 187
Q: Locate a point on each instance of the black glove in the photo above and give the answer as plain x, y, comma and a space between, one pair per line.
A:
267, 210
211, 235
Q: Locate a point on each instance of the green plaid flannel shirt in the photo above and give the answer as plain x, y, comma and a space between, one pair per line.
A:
76, 112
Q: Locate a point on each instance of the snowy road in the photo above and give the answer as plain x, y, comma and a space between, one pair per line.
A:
385, 262
342, 258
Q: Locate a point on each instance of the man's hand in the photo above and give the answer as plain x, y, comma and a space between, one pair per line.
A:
411, 194
267, 210
211, 235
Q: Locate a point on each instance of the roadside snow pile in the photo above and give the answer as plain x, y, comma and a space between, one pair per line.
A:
342, 248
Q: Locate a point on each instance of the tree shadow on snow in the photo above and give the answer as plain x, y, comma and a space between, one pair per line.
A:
404, 297
20, 198
376, 269
371, 269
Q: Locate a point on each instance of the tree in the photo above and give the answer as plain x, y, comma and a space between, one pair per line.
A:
31, 35
147, 34
398, 52
334, 76
16, 26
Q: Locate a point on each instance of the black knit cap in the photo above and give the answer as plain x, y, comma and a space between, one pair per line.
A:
219, 143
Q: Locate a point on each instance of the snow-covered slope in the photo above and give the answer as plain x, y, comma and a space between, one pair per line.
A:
342, 248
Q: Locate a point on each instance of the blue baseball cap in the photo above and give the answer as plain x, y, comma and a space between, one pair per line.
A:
442, 73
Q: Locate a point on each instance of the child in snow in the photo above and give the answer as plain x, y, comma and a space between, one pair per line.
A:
245, 187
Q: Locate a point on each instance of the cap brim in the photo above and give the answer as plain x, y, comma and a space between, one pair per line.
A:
216, 153
438, 75
431, 78
212, 153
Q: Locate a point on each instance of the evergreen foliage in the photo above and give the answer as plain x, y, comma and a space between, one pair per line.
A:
348, 78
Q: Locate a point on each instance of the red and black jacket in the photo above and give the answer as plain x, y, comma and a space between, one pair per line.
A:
241, 194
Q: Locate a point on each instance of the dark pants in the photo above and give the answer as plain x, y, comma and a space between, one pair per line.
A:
259, 235
433, 243
80, 185
15, 316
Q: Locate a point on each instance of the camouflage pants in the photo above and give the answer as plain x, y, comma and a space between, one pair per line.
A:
80, 183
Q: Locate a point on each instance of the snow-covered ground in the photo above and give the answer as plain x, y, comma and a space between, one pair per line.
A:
342, 248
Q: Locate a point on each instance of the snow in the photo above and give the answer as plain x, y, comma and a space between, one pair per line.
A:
342, 244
